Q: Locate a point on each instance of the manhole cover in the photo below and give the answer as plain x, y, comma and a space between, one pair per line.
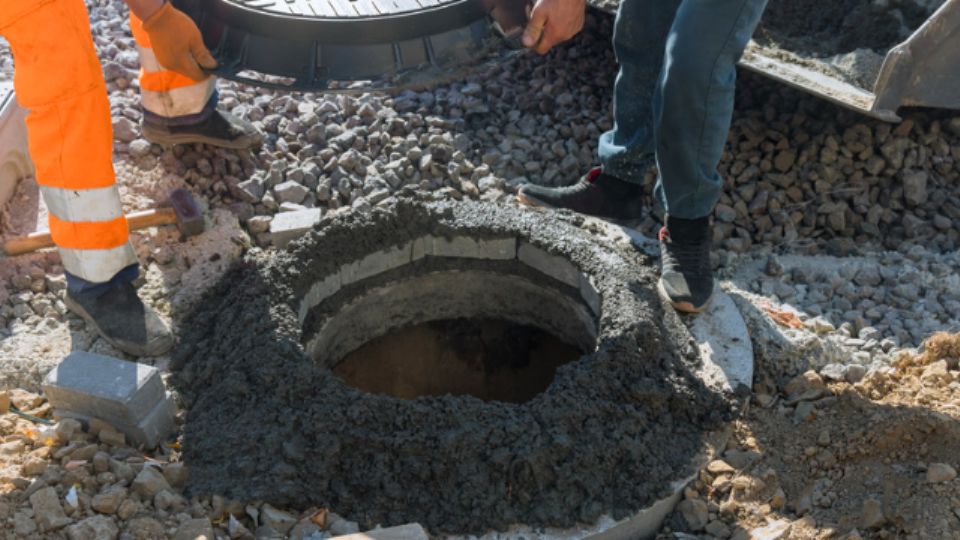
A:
467, 366
350, 45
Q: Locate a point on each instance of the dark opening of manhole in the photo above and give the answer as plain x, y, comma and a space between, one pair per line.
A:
490, 359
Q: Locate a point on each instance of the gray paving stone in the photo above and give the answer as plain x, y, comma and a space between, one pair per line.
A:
319, 292
376, 263
288, 226
149, 432
555, 266
116, 391
473, 248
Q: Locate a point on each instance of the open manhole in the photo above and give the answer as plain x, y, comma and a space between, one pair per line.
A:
467, 366
351, 45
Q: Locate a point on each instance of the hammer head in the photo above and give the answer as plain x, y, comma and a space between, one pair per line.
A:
189, 220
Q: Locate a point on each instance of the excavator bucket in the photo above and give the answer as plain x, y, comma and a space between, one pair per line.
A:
871, 56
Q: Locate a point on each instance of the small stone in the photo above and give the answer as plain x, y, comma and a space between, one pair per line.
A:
938, 473
338, 526
94, 528
124, 129
111, 437
139, 148
167, 500
149, 482
779, 499
109, 500
695, 513
128, 508
915, 187
718, 529
290, 191
259, 224
277, 520
176, 474
195, 529
47, 510
872, 515
804, 383
775, 530
719, 466
855, 373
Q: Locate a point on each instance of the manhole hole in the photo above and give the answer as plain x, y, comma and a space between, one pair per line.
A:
490, 359
347, 45
288, 372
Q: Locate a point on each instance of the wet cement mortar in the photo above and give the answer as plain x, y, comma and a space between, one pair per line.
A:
608, 436
836, 27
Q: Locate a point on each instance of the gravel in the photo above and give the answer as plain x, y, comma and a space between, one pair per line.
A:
804, 178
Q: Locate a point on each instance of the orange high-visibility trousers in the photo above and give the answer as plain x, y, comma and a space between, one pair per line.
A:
163, 92
59, 81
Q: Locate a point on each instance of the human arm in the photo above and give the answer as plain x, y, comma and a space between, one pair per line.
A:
174, 37
553, 22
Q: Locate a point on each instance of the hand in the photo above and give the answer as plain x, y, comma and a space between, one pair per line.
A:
177, 43
552, 22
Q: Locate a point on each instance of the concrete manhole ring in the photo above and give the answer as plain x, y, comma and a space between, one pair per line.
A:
618, 430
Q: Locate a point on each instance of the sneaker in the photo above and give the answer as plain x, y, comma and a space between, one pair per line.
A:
596, 194
122, 319
220, 129
686, 278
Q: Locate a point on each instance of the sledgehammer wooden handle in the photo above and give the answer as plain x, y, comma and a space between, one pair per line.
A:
135, 221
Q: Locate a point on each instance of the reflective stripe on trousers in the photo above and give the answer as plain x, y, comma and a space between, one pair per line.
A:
164, 92
59, 81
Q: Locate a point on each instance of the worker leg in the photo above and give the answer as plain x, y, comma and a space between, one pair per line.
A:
59, 81
626, 151
693, 103
178, 110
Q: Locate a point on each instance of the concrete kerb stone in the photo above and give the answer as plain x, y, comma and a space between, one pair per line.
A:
128, 395
725, 346
472, 248
288, 226
554, 266
376, 263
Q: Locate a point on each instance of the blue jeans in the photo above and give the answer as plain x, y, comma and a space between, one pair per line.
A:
673, 98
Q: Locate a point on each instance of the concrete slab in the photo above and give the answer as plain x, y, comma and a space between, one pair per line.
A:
117, 391
376, 263
288, 226
15, 161
725, 345
472, 248
555, 266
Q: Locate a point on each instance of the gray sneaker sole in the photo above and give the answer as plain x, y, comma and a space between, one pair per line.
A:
685, 307
156, 348
169, 139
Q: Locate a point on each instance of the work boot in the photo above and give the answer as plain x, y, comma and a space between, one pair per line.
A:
123, 320
595, 194
220, 129
686, 278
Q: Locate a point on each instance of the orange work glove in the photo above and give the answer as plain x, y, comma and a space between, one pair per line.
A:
176, 42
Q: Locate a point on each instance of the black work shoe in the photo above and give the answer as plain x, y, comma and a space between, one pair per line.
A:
220, 129
596, 194
123, 320
686, 278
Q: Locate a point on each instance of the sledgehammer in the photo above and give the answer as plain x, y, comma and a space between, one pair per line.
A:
179, 209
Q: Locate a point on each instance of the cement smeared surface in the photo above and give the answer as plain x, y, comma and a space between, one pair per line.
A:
610, 435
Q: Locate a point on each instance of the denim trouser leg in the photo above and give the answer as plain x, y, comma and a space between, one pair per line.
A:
687, 109
638, 42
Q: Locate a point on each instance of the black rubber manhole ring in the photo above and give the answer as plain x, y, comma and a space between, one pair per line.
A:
327, 44
612, 435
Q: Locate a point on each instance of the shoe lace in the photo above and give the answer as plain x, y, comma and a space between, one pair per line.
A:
692, 258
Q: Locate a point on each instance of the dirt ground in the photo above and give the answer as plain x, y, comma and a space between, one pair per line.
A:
821, 459
812, 459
